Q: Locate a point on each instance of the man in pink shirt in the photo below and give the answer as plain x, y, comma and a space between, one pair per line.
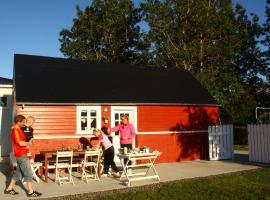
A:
127, 132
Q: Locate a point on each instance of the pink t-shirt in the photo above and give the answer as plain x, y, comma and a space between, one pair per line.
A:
127, 133
106, 143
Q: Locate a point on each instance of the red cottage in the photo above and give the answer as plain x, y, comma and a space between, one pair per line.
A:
169, 108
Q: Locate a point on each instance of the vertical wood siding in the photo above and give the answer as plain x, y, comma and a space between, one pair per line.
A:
220, 142
259, 143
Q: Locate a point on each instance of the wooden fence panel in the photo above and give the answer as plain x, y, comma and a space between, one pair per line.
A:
220, 142
259, 142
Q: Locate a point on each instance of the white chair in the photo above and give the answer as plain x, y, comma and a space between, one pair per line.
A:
34, 166
91, 159
66, 155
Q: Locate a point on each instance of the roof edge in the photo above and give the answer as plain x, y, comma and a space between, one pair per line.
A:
114, 104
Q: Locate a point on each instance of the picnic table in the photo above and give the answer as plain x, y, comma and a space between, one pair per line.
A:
142, 161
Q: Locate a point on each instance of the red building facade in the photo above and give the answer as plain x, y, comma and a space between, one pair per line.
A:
169, 108
179, 132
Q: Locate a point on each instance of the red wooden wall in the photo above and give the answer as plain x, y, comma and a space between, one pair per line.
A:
175, 147
56, 120
176, 118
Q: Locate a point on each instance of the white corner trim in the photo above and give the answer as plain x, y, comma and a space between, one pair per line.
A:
169, 132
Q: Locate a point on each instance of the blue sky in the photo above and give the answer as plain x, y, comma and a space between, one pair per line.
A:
33, 26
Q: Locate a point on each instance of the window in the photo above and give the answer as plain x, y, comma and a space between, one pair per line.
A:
88, 118
3, 102
117, 119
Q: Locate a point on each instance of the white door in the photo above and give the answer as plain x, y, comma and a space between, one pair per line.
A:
116, 113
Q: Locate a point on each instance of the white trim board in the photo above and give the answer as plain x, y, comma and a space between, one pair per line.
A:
138, 133
169, 132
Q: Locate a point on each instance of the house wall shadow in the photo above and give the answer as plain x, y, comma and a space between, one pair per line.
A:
194, 146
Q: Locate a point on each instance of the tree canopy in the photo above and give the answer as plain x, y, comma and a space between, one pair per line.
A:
225, 48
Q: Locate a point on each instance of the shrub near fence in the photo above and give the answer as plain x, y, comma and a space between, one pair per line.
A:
240, 135
259, 143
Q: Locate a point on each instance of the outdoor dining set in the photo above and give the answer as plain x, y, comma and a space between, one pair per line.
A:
89, 164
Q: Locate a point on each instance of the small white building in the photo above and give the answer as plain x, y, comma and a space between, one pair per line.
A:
6, 115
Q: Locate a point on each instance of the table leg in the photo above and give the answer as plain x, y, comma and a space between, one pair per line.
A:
46, 168
99, 167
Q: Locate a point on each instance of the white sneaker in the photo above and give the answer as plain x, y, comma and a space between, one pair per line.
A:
104, 175
116, 174
129, 172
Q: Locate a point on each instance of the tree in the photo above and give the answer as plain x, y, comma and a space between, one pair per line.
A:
106, 31
201, 37
249, 61
264, 93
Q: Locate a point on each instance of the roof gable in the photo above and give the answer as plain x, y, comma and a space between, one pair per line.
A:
56, 80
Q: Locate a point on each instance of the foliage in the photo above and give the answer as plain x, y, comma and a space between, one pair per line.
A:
220, 45
106, 31
202, 37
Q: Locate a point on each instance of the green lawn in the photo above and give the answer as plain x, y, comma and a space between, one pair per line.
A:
253, 184
241, 147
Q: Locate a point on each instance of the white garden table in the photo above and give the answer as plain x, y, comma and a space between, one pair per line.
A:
148, 165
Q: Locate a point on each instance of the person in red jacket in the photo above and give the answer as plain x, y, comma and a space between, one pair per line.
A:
23, 169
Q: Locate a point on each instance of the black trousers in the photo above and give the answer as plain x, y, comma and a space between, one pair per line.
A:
129, 147
109, 160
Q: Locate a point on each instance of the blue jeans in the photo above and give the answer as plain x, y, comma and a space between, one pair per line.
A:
23, 170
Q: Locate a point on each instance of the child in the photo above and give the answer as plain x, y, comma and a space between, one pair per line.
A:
108, 152
23, 169
28, 131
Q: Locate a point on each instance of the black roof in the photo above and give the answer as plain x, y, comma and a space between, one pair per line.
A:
6, 81
57, 80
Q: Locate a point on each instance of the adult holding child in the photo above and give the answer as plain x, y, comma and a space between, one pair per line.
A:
23, 169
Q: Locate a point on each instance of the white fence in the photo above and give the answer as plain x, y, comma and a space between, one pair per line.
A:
220, 142
259, 143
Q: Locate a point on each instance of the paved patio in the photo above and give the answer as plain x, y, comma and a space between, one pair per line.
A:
167, 172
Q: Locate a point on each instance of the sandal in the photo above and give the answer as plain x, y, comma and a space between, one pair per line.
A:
34, 194
11, 192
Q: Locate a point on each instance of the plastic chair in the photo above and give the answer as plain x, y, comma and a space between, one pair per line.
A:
91, 159
66, 155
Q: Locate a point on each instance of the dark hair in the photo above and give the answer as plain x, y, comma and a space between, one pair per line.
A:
19, 118
84, 142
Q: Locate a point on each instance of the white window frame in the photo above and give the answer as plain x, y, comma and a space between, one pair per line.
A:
78, 117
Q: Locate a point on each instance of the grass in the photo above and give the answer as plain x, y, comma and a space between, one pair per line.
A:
254, 184
241, 147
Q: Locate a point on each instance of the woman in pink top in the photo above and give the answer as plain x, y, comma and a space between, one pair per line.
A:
127, 132
108, 152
